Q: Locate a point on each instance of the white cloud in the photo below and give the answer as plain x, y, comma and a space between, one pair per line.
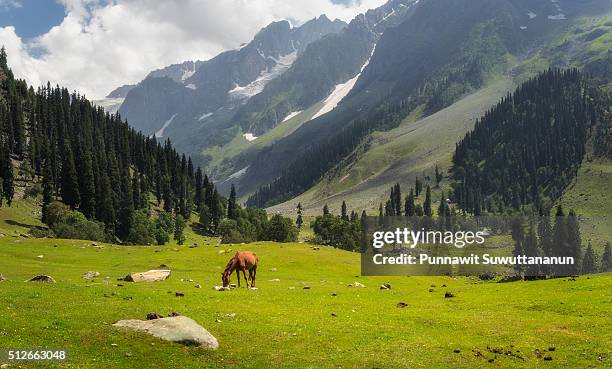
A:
101, 45
8, 4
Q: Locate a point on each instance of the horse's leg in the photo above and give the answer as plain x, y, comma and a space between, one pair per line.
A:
245, 277
253, 277
238, 276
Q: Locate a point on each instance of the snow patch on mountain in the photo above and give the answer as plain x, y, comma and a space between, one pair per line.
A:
559, 15
249, 137
204, 116
291, 115
191, 86
531, 15
237, 174
110, 104
187, 73
282, 64
160, 133
341, 90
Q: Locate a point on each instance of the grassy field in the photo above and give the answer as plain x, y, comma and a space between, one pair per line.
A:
282, 324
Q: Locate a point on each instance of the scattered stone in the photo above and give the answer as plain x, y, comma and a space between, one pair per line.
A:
94, 244
198, 286
401, 305
149, 276
334, 294
385, 286
119, 285
357, 284
456, 351
273, 269
274, 280
334, 314
40, 256
114, 345
157, 250
128, 354
179, 294
221, 288
180, 329
163, 266
537, 353
4, 366
26, 235
491, 360
551, 348
443, 285
448, 295
253, 288
2, 279
316, 248
231, 315
153, 316
547, 358
90, 275
232, 285
306, 287
433, 286
174, 313
42, 279
431, 290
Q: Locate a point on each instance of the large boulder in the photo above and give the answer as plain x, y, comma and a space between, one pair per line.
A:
90, 275
42, 279
178, 329
150, 276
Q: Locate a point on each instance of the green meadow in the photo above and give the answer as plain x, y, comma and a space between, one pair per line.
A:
282, 324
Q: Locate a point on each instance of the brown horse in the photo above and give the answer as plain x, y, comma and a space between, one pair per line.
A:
241, 261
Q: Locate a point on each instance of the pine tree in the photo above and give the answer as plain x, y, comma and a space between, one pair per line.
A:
299, 221
198, 195
427, 204
47, 184
409, 207
232, 210
531, 249
126, 210
136, 196
325, 210
343, 212
438, 176
574, 242
70, 183
589, 262
606, 259
87, 186
8, 186
179, 229
418, 186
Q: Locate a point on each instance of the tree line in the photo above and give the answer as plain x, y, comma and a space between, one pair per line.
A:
528, 148
106, 176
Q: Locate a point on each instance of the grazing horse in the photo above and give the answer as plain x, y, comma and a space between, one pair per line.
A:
241, 261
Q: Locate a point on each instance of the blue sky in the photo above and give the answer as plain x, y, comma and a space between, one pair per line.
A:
30, 18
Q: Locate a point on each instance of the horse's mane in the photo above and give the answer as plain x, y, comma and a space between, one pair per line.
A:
230, 263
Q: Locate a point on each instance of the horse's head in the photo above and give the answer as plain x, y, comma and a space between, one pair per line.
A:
225, 279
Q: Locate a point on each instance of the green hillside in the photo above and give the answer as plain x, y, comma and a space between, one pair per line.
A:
399, 155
